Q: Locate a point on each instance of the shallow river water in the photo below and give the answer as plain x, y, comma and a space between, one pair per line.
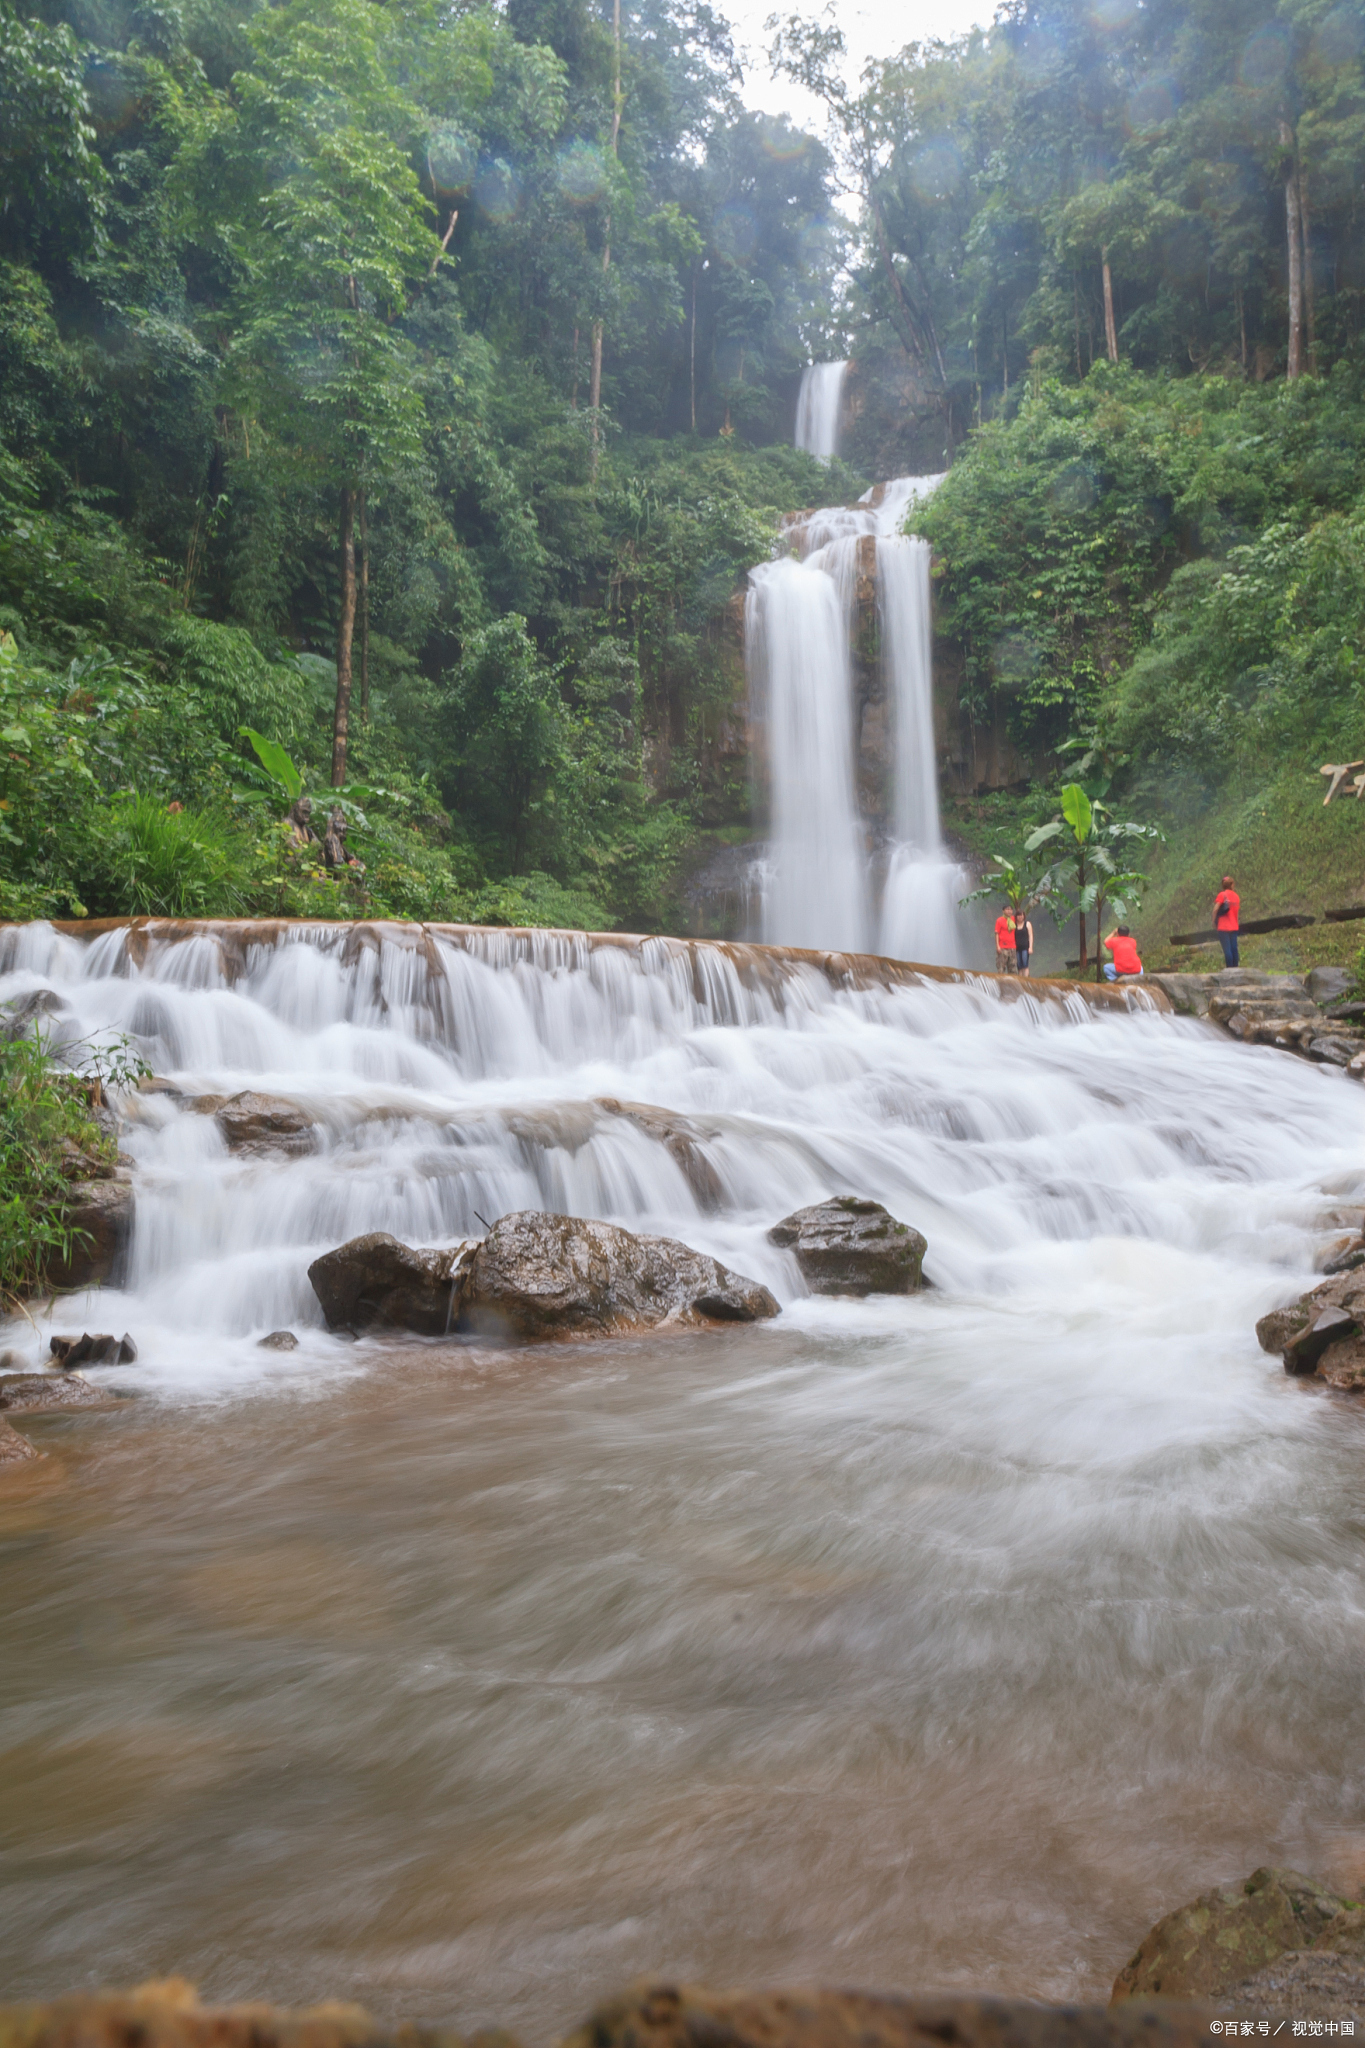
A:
916, 1643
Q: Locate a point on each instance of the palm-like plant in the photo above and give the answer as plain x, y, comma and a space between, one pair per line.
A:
1092, 870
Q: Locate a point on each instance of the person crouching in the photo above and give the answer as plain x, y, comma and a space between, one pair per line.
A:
1125, 964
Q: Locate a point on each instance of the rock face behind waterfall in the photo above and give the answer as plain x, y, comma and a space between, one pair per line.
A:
852, 1246
534, 1275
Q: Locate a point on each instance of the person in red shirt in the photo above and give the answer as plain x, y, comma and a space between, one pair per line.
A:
1125, 962
1004, 942
1227, 916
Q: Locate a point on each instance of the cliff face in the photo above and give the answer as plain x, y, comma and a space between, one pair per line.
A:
727, 742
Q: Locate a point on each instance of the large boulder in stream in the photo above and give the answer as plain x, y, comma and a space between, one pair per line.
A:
538, 1275
534, 1275
1224, 1937
1322, 1334
849, 1245
375, 1282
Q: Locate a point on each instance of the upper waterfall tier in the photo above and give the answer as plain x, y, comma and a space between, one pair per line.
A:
835, 848
817, 409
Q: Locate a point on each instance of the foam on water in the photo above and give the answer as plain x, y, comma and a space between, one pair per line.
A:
1124, 1179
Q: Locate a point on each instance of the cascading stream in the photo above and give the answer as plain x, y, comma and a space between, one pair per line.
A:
912, 1642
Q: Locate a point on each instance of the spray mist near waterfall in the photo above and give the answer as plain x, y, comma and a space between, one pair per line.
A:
820, 881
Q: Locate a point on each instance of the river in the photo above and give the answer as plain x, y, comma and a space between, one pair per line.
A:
907, 1643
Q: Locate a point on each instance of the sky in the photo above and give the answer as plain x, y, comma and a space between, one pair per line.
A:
873, 28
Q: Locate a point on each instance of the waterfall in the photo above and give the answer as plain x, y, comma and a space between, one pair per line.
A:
797, 641
919, 917
800, 619
817, 409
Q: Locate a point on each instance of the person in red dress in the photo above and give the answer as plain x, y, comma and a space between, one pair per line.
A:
1125, 962
1227, 917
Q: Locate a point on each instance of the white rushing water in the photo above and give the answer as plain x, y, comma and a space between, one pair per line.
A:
817, 409
909, 1642
456, 1077
800, 619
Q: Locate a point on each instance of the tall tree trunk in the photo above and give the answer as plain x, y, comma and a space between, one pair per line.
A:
345, 633
595, 380
364, 610
1294, 245
1242, 325
692, 368
905, 325
1310, 296
1111, 332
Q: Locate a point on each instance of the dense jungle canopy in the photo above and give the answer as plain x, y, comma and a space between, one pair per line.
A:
411, 386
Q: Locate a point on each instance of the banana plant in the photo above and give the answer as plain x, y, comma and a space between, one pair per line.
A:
1092, 871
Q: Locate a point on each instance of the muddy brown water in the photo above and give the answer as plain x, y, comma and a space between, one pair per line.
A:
475, 1686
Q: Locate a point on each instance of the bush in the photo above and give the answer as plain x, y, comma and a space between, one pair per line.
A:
152, 861
42, 1112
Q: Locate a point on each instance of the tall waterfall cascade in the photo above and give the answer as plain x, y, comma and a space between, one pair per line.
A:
827, 881
817, 409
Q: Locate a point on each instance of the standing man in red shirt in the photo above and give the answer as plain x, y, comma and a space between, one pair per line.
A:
1125, 962
1227, 908
1004, 942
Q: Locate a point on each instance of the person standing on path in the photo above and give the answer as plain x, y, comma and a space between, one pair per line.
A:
1227, 917
1004, 942
1125, 962
1023, 942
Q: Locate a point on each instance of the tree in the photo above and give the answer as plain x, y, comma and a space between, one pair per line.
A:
1089, 875
331, 237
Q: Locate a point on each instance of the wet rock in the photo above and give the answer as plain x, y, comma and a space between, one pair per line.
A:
1342, 1365
374, 1282
1275, 1330
852, 1246
1328, 984
1345, 1935
1307, 1345
18, 1018
681, 1137
538, 1275
278, 1340
1347, 1257
257, 1124
1299, 1984
1228, 1934
15, 1450
671, 2015
104, 1349
169, 2015
41, 1393
100, 1215
1333, 1050
553, 1126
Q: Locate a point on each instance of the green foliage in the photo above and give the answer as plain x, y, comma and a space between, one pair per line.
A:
44, 1116
158, 862
1090, 874
1064, 541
